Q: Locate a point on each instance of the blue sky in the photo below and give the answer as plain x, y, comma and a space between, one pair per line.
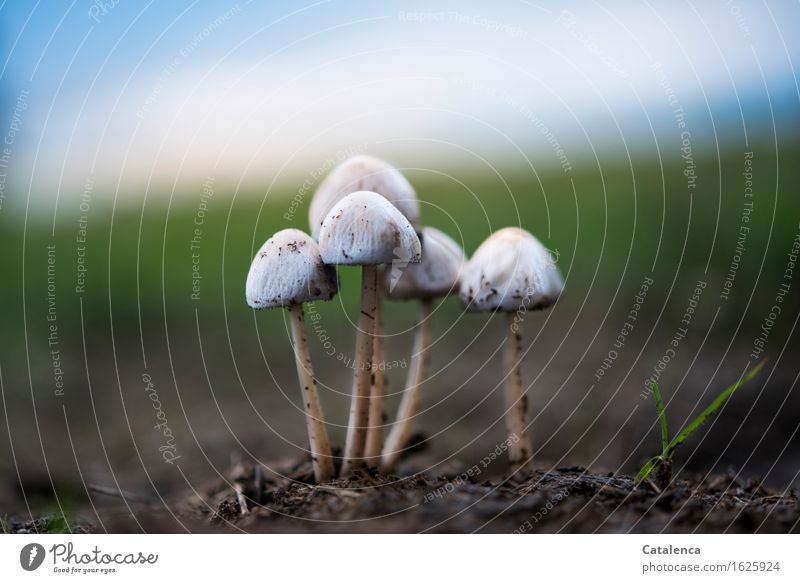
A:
137, 92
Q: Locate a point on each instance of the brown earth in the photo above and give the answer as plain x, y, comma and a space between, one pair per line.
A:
569, 500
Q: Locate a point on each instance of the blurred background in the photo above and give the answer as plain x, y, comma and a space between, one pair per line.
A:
149, 149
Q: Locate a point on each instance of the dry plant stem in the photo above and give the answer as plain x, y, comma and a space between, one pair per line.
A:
409, 403
516, 400
239, 489
377, 416
315, 422
355, 441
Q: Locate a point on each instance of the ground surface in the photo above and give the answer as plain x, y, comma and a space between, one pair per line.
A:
570, 500
565, 500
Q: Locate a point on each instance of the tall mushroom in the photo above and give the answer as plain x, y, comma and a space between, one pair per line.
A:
287, 272
434, 277
365, 229
512, 272
361, 173
367, 173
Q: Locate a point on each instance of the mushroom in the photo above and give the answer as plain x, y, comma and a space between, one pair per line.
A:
287, 272
512, 272
434, 277
367, 173
365, 229
361, 173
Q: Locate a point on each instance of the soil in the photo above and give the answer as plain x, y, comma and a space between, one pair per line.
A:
569, 500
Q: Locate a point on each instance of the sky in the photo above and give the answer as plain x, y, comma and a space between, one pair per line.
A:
143, 95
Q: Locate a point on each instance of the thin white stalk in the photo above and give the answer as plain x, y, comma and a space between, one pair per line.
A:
400, 432
377, 415
516, 400
320, 446
359, 402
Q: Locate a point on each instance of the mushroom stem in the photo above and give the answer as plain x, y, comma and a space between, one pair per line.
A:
516, 400
321, 458
409, 403
377, 415
359, 402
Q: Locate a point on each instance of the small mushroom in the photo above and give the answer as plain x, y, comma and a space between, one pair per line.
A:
365, 229
512, 272
287, 272
363, 173
434, 277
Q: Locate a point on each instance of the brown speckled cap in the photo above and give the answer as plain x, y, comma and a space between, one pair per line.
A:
361, 173
366, 229
435, 276
511, 270
288, 271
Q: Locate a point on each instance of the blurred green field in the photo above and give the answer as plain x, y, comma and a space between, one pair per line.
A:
608, 223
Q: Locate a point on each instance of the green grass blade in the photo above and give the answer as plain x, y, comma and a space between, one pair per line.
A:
669, 451
648, 468
662, 416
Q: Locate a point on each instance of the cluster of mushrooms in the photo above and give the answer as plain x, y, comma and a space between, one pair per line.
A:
366, 213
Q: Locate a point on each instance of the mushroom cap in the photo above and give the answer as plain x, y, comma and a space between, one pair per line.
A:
288, 271
511, 270
366, 229
363, 173
435, 276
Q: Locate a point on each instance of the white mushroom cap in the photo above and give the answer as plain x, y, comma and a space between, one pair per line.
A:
511, 270
366, 229
435, 276
288, 271
363, 173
